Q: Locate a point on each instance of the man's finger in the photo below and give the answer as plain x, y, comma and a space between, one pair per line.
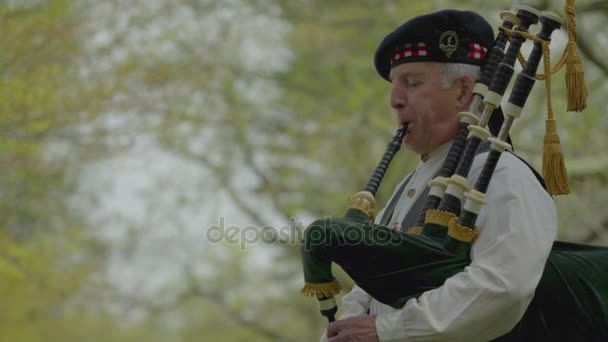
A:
333, 329
339, 338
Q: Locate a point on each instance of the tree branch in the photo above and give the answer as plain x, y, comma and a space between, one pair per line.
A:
586, 50
219, 299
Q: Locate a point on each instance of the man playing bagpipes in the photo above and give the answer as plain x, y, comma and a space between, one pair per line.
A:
472, 256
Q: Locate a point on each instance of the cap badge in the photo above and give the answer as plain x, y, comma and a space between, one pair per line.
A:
448, 42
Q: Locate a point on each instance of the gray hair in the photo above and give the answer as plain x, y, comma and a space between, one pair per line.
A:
454, 71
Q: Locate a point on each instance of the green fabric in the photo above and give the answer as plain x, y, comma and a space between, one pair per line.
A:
571, 300
570, 303
436, 232
356, 215
456, 247
439, 234
392, 266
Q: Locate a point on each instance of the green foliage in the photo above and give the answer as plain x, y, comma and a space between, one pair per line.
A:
34, 290
32, 74
338, 106
42, 264
304, 115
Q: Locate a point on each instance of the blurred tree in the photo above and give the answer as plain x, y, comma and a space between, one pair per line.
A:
194, 80
45, 259
32, 70
279, 103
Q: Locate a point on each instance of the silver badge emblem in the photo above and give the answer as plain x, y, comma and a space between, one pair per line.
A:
448, 42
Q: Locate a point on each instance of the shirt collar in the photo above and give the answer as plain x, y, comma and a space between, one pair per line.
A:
438, 153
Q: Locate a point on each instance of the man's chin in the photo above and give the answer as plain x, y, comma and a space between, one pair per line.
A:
414, 148
410, 147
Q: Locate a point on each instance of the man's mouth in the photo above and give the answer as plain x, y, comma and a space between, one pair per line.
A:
406, 125
406, 130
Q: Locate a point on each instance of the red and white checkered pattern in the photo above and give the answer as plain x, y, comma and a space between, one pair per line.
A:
409, 50
477, 51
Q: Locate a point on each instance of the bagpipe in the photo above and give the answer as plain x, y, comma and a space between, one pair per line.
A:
571, 299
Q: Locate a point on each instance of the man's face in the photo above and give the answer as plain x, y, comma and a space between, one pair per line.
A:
428, 108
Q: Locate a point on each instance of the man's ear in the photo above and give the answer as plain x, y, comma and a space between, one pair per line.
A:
465, 90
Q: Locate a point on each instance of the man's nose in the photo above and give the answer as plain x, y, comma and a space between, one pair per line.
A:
398, 99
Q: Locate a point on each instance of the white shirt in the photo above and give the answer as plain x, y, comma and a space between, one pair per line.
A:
415, 186
517, 228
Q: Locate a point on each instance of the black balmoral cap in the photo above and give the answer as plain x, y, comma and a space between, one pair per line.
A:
447, 36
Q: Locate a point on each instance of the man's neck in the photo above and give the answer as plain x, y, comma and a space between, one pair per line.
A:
438, 150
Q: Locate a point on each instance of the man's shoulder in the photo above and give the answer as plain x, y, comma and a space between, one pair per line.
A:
509, 165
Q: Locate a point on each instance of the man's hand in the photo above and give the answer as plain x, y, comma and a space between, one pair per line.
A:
362, 328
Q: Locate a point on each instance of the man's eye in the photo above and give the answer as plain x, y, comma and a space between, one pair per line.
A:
413, 83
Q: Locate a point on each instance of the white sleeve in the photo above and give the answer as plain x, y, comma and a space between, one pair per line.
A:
354, 303
486, 300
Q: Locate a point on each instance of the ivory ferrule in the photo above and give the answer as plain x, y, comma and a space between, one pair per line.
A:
438, 186
327, 304
552, 16
480, 89
468, 118
479, 132
475, 200
512, 110
492, 98
499, 145
529, 9
509, 16
457, 185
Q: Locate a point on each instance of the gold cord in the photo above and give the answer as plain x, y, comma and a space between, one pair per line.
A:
554, 169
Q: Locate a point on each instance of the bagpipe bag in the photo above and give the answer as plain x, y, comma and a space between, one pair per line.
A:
570, 302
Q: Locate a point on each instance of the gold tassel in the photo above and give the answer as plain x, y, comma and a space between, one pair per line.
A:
321, 290
575, 78
415, 230
554, 168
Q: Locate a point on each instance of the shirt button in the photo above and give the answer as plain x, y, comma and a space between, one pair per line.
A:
411, 193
